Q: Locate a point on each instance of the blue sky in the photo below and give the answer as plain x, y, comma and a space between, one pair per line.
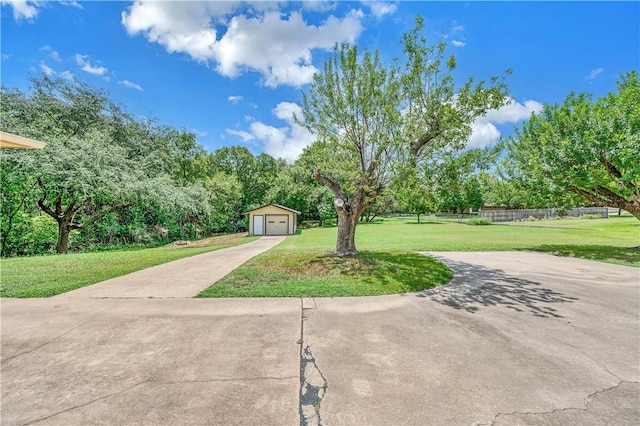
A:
232, 72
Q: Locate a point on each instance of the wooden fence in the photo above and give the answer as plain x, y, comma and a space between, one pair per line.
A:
523, 214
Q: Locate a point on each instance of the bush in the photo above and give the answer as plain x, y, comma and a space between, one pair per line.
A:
531, 219
479, 221
591, 216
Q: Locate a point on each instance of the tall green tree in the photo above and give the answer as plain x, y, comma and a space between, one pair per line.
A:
585, 148
374, 117
89, 167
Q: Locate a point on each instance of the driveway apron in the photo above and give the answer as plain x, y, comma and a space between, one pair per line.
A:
515, 338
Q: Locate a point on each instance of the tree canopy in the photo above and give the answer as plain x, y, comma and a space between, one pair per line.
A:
373, 119
584, 148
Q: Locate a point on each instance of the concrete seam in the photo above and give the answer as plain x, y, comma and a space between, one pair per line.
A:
309, 394
559, 410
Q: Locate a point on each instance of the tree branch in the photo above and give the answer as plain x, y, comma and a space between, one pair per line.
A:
332, 184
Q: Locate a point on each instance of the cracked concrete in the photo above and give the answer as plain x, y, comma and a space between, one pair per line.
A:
215, 361
513, 333
619, 402
313, 383
516, 338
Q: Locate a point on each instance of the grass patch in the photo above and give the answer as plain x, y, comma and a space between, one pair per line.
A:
44, 276
316, 273
629, 256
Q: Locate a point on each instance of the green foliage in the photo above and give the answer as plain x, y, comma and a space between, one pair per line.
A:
585, 148
107, 178
479, 221
591, 216
374, 120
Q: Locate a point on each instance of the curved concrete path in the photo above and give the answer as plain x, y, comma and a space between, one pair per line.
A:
516, 338
180, 278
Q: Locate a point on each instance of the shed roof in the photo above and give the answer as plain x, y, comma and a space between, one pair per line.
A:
276, 205
9, 140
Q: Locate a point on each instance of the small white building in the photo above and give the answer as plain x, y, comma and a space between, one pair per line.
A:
273, 219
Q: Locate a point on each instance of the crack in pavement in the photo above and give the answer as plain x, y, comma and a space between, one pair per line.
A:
313, 383
161, 382
5, 360
559, 410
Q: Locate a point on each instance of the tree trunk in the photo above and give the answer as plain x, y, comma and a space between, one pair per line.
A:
64, 229
418, 217
346, 244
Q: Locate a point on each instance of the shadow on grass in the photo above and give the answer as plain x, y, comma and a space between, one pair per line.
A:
474, 286
414, 271
629, 256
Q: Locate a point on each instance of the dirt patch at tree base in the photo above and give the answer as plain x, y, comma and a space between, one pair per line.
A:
211, 241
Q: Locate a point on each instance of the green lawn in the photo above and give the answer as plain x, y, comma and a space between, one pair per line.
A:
302, 264
43, 276
283, 272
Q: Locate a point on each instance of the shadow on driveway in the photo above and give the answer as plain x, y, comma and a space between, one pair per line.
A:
474, 286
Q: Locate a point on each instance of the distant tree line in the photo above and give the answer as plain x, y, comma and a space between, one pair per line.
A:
107, 178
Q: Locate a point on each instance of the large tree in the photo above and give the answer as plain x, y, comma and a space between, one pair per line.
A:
586, 148
95, 163
374, 118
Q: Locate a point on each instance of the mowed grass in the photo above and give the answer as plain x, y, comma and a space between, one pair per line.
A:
302, 265
317, 273
44, 276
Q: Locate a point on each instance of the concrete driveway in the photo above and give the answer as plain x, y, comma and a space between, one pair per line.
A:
516, 338
181, 278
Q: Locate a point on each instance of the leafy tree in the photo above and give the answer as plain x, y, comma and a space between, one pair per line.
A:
90, 167
256, 174
590, 149
413, 192
457, 178
189, 157
372, 118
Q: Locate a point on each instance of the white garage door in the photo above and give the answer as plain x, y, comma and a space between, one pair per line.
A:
277, 224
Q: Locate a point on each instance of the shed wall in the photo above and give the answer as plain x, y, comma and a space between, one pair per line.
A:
273, 210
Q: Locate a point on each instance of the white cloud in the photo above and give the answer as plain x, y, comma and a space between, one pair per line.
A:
484, 131
235, 99
319, 6
72, 4
28, 9
513, 111
245, 136
51, 53
458, 43
86, 66
594, 73
46, 69
277, 45
67, 75
131, 85
22, 9
380, 8
286, 142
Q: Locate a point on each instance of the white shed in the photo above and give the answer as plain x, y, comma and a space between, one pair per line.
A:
273, 219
